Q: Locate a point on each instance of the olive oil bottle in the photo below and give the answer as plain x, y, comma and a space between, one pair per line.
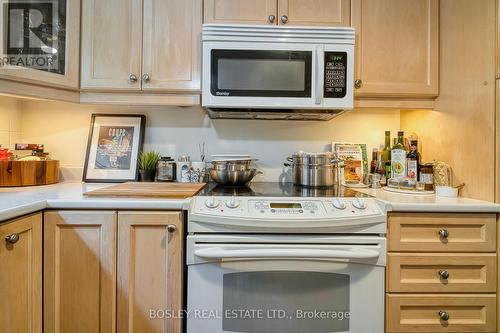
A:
398, 157
385, 155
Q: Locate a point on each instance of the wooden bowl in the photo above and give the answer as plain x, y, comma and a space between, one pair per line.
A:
28, 173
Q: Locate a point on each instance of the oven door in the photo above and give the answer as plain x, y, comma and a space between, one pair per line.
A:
292, 284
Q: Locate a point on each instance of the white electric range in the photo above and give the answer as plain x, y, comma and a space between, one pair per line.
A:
275, 258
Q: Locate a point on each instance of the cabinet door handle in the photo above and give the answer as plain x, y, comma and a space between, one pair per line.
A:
358, 84
171, 228
443, 233
284, 19
444, 274
146, 77
12, 239
444, 315
132, 78
271, 18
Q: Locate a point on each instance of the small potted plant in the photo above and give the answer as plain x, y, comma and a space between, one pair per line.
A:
147, 165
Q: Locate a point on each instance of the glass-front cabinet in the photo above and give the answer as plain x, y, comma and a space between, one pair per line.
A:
39, 41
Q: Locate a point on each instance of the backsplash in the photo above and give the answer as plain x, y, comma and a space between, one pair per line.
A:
10, 121
174, 131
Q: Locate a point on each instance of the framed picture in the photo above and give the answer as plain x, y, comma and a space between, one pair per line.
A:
113, 148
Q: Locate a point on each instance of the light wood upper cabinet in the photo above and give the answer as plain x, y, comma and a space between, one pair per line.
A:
111, 44
150, 269
79, 271
498, 39
141, 45
21, 275
289, 12
397, 47
240, 11
61, 71
314, 12
172, 45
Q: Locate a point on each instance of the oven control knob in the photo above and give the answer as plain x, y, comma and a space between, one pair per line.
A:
339, 203
212, 203
233, 203
359, 203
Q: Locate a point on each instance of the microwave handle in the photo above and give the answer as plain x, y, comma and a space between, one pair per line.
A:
277, 253
319, 74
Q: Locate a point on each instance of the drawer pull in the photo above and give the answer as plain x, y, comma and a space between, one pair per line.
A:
443, 233
12, 239
171, 228
444, 274
444, 315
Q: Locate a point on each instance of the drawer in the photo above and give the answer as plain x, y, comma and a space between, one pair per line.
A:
421, 313
441, 273
442, 232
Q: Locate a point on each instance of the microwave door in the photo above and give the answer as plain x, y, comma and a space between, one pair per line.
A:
261, 77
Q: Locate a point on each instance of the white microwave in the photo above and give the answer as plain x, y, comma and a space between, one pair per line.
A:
276, 72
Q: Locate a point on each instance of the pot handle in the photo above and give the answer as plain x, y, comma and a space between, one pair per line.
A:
287, 165
289, 159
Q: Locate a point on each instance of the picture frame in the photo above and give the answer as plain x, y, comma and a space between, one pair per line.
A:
113, 147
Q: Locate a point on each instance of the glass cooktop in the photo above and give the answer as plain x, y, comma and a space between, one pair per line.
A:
270, 189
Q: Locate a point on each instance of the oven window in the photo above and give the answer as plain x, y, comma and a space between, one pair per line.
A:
286, 302
261, 73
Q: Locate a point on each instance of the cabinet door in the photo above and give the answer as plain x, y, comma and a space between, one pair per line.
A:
150, 271
241, 11
21, 275
172, 45
397, 47
315, 12
111, 44
44, 49
79, 271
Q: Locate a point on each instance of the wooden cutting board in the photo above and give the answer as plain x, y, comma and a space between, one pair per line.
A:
149, 190
28, 173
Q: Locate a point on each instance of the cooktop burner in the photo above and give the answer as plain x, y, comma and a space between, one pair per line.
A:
270, 189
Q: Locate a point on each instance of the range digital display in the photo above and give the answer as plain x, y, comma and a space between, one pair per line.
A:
285, 205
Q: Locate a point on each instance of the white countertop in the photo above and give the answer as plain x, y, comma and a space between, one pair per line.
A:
430, 203
69, 195
19, 201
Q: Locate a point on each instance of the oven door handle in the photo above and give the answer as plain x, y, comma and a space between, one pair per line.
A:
290, 253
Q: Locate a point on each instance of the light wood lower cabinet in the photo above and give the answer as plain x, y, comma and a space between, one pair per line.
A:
79, 271
421, 313
441, 273
442, 232
150, 269
105, 270
21, 275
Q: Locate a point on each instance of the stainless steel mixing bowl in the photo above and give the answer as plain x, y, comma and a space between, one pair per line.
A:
233, 178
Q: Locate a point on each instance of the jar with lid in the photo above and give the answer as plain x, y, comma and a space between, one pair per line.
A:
166, 169
426, 176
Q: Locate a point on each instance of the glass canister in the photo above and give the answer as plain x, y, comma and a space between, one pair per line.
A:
166, 169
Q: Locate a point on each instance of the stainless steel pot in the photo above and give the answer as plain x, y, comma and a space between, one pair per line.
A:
322, 169
312, 158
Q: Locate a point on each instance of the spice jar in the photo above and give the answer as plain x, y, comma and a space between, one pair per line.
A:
166, 169
426, 176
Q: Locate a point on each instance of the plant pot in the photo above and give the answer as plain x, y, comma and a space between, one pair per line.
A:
147, 175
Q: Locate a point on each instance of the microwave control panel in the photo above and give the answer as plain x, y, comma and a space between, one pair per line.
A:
335, 75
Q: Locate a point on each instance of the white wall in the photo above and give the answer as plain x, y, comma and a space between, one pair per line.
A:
63, 128
10, 122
